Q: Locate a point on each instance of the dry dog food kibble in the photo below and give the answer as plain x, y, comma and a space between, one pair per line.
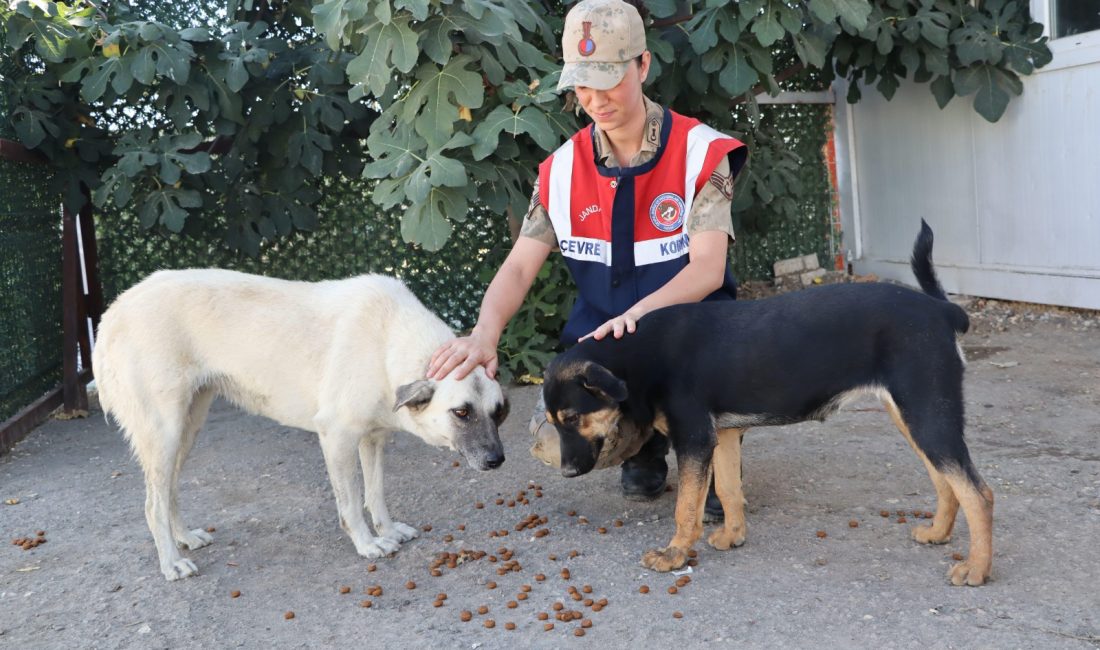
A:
512, 604
366, 604
410, 585
822, 534
465, 616
509, 626
345, 590
644, 589
489, 623
521, 595
884, 513
491, 584
479, 505
483, 610
542, 616
902, 520
547, 627
578, 632
672, 590
677, 615
957, 557
427, 528
372, 567
288, 615
853, 523
234, 594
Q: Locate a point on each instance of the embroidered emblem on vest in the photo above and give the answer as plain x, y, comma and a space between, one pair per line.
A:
587, 46
667, 212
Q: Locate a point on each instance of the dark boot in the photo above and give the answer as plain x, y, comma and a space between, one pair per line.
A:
644, 473
712, 511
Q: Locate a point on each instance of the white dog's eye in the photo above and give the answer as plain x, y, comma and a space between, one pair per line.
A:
461, 414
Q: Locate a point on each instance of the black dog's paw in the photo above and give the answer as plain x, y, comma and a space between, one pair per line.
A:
665, 560
724, 539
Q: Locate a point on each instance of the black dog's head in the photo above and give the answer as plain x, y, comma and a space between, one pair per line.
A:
582, 402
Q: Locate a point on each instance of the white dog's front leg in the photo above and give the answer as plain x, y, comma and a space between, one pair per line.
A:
371, 450
339, 451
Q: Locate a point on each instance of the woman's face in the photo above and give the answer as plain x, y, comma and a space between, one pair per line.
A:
614, 108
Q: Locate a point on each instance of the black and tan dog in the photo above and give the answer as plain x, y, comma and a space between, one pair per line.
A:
703, 373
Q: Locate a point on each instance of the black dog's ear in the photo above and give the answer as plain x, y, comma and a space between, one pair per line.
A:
599, 381
415, 395
501, 412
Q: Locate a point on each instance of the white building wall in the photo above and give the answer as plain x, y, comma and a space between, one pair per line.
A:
1015, 205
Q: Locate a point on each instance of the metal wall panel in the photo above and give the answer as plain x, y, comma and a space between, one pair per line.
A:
1015, 205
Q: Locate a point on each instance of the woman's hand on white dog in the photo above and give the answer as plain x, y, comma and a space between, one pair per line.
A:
462, 355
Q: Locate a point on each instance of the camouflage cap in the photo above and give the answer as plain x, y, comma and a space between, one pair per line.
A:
601, 38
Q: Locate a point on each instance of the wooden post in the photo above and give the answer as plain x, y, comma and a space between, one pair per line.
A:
72, 294
91, 263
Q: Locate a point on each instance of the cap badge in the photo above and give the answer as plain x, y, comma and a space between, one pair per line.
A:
587, 46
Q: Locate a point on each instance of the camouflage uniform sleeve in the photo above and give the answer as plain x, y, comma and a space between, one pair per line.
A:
536, 223
711, 209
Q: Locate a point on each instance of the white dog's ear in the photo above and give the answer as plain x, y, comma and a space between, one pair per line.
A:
415, 395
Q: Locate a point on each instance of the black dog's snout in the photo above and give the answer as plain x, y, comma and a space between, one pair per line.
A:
570, 472
495, 461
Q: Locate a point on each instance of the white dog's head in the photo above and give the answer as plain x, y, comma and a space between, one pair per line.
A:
458, 414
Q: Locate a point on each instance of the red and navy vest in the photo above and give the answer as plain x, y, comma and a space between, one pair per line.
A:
621, 229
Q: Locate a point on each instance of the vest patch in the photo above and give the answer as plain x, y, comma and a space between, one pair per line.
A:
667, 212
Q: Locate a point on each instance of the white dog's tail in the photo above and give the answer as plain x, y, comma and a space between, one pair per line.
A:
100, 369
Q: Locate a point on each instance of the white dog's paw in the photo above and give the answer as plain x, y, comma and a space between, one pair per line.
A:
180, 568
377, 547
195, 539
400, 532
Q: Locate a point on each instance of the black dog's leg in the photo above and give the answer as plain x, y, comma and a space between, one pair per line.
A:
727, 483
694, 450
947, 506
938, 440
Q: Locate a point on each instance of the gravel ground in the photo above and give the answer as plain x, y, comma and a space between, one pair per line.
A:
1033, 399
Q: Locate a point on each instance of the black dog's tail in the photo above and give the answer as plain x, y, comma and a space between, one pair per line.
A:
925, 273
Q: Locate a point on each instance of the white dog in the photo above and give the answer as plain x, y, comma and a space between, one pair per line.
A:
345, 359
